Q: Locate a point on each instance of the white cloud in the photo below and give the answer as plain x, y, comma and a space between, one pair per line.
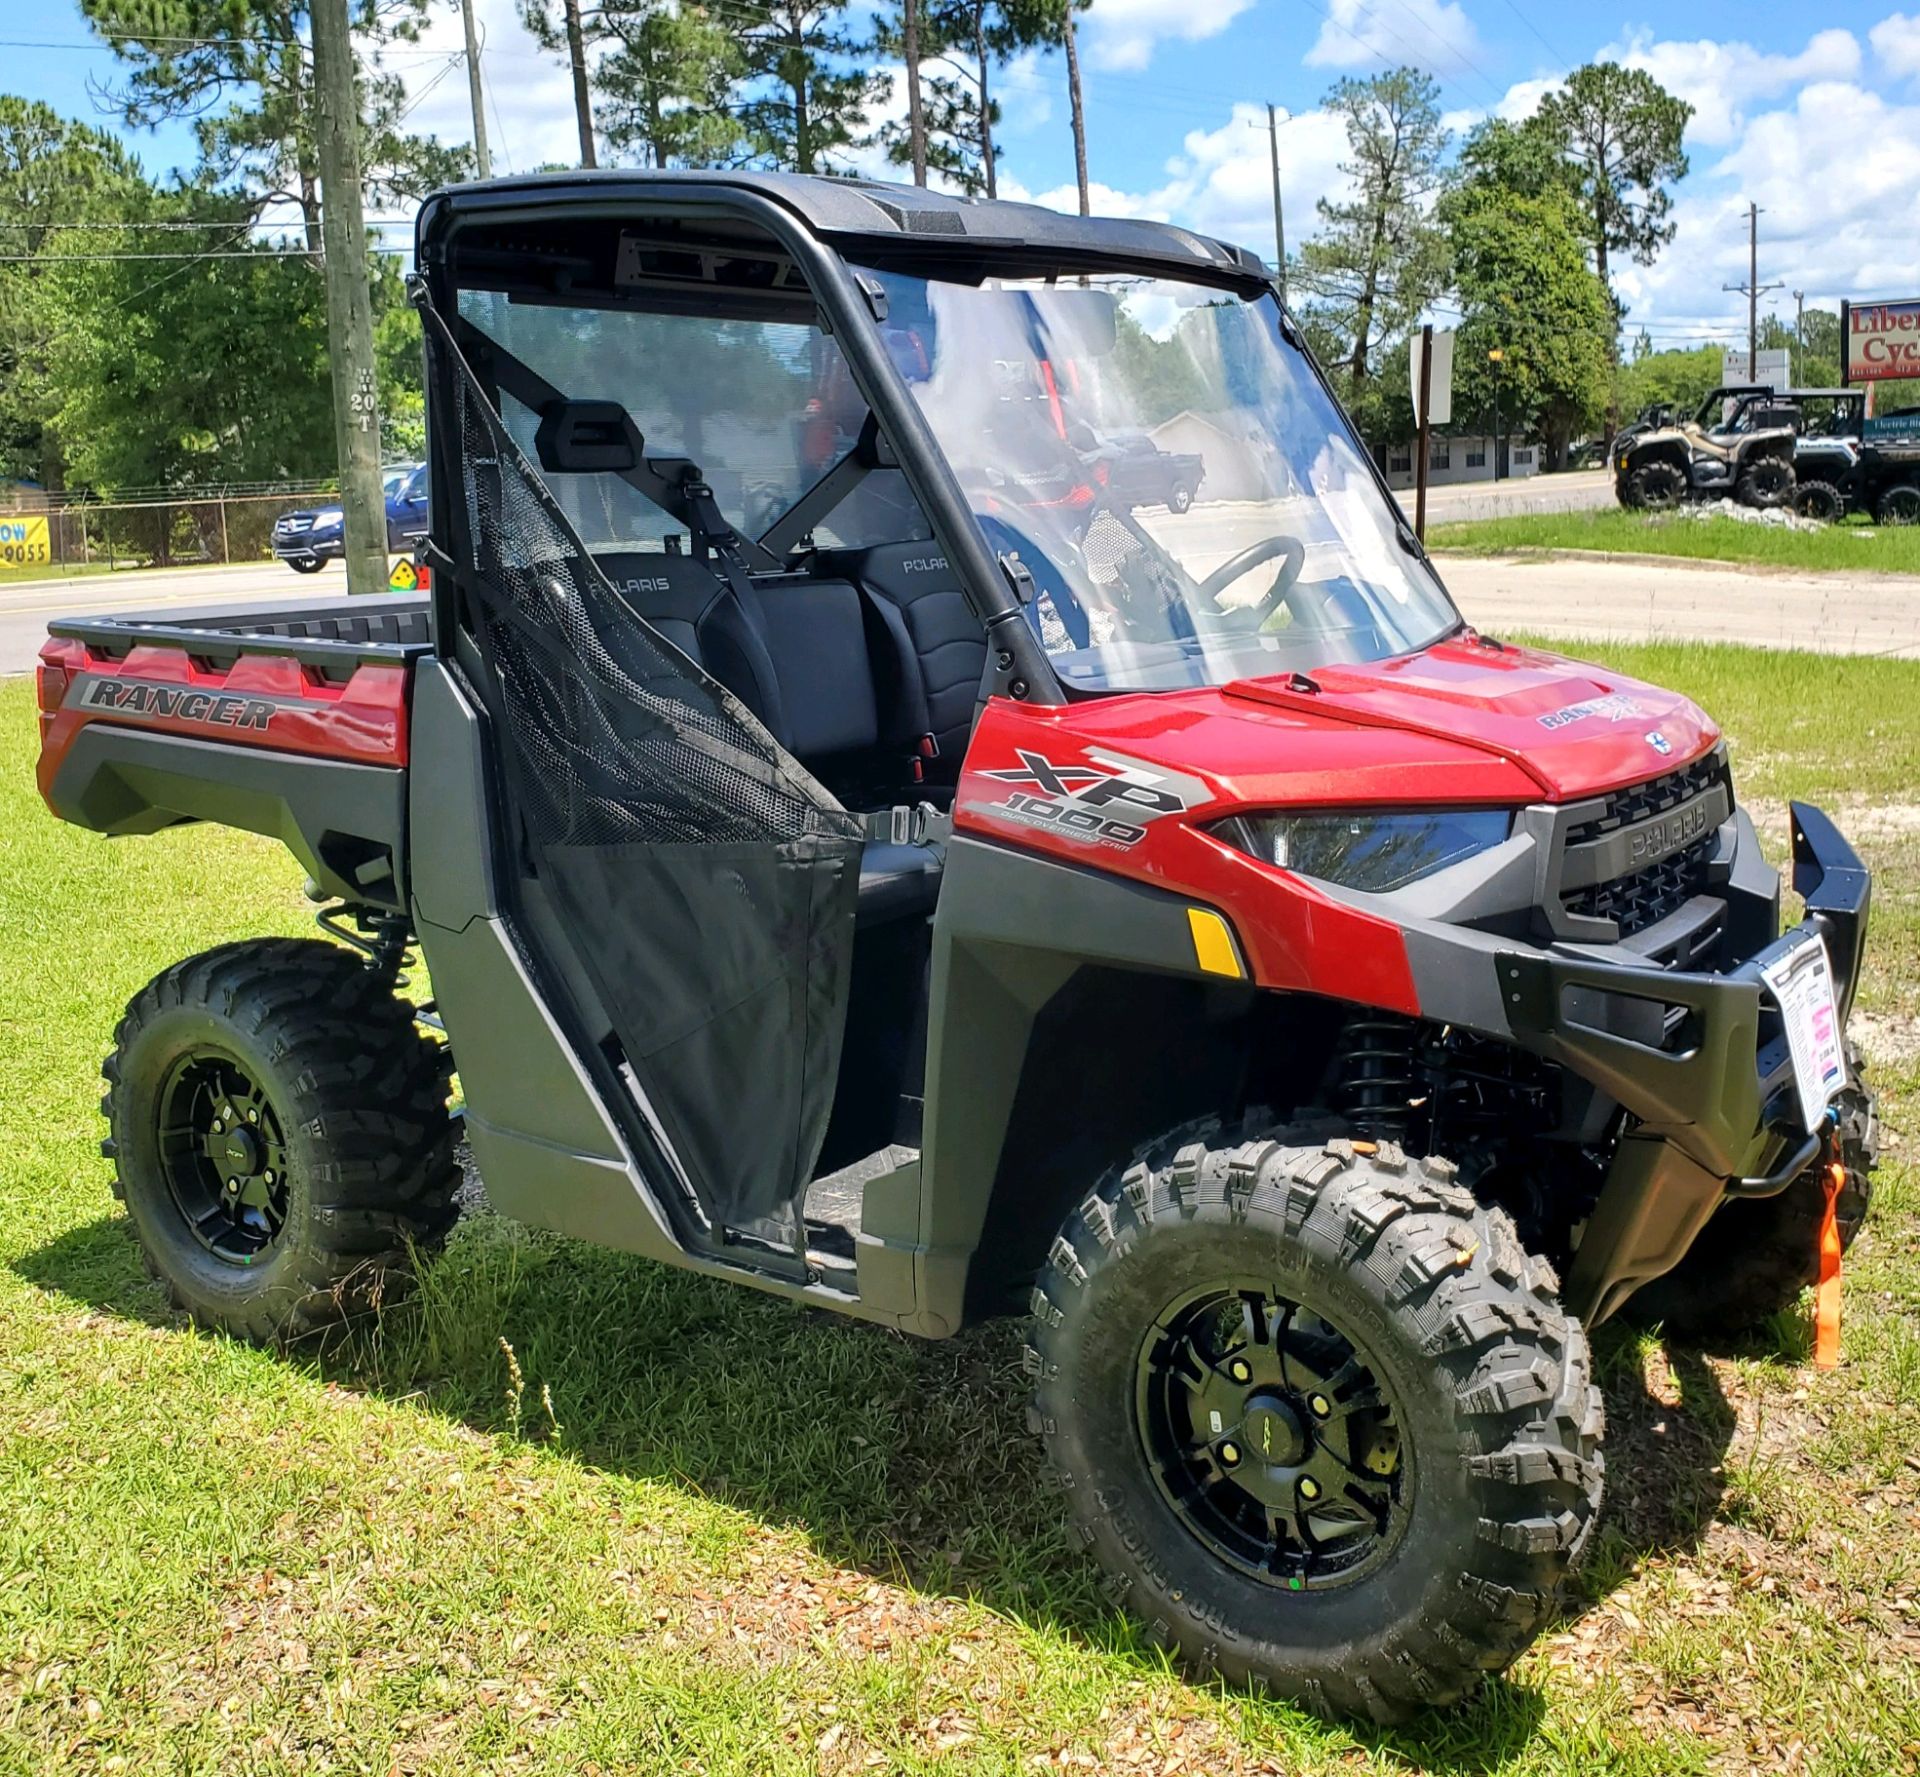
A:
1828, 235
1719, 79
1896, 41
1121, 34
1433, 34
1221, 183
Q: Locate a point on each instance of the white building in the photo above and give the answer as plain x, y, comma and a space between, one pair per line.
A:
1453, 459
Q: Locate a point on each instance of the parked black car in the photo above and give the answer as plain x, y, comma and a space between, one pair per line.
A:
1137, 472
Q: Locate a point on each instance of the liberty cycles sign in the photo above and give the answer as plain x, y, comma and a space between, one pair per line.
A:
1879, 341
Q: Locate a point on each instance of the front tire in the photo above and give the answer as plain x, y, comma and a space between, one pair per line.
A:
281, 1137
1180, 500
1657, 486
311, 566
1437, 1466
1767, 483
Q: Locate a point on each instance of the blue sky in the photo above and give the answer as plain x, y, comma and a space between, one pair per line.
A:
1814, 113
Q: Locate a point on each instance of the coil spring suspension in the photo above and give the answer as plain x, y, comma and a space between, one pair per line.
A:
1430, 1087
1376, 1073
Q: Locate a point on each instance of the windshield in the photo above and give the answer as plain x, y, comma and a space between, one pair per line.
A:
1188, 502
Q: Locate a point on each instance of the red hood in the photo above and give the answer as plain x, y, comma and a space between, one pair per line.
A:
1576, 730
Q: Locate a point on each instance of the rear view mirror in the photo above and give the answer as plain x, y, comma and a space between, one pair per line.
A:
587, 438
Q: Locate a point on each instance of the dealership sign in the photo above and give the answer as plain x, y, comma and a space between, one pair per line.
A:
1880, 340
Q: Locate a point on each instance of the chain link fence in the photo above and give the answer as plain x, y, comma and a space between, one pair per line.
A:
171, 533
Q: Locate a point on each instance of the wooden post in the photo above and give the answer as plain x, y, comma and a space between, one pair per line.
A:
1420, 459
226, 554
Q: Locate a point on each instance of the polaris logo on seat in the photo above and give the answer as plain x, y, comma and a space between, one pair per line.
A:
1107, 801
637, 586
925, 564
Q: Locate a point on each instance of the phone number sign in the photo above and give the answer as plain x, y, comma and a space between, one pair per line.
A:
1882, 341
24, 541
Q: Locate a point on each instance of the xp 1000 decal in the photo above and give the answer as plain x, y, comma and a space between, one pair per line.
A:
1104, 799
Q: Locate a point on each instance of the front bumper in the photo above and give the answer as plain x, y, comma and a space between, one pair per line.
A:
300, 546
1697, 1059
1714, 1112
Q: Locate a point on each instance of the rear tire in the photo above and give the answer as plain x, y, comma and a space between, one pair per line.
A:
1899, 505
1821, 500
281, 1136
1754, 1257
1657, 486
1767, 483
1470, 1473
1180, 500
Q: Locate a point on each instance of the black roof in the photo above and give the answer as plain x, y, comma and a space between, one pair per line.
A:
851, 210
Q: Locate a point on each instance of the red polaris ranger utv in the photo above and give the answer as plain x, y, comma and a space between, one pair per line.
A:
861, 853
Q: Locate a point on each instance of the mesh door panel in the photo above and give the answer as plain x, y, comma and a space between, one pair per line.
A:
706, 880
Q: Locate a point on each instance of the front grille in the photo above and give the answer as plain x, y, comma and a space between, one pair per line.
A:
1656, 796
1647, 896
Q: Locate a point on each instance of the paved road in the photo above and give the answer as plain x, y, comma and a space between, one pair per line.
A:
1640, 600
26, 606
1580, 490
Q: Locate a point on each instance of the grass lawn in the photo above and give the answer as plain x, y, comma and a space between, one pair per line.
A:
14, 571
569, 1512
1844, 547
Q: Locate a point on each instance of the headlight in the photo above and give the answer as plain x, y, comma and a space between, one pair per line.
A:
1375, 852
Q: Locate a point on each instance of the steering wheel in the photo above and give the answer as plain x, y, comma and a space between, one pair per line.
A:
1290, 552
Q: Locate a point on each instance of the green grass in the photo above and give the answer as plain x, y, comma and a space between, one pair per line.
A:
13, 571
689, 1528
1852, 548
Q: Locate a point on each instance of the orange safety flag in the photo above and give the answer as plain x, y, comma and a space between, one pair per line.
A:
1826, 1295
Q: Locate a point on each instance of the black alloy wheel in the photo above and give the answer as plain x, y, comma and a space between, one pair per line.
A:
279, 1132
220, 1148
1271, 1437
1317, 1412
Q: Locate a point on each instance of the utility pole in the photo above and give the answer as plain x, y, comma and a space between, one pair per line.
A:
482, 164
916, 117
1279, 214
1076, 101
343, 234
582, 104
1752, 290
1800, 323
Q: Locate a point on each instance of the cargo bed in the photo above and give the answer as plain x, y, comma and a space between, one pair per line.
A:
288, 719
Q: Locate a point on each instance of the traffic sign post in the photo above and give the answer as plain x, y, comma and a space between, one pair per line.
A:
1432, 379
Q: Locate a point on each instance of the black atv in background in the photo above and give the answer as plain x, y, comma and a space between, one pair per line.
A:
1844, 463
1739, 444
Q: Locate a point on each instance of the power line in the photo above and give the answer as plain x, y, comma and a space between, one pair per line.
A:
1513, 7
44, 259
200, 227
145, 38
